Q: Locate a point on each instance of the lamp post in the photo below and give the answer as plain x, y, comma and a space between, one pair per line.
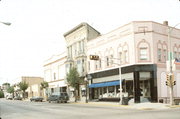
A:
170, 29
6, 23
120, 86
86, 81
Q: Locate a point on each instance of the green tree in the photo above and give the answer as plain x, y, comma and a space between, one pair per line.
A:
44, 85
1, 94
6, 84
74, 80
11, 90
23, 86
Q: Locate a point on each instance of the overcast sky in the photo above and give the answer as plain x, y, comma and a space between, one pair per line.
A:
38, 26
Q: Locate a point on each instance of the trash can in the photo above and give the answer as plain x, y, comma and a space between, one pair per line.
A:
125, 100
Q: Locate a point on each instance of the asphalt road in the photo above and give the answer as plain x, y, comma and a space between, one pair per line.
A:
10, 109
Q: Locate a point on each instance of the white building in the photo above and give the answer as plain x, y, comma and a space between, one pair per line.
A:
54, 73
76, 41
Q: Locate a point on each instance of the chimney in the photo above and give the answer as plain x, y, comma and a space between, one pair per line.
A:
165, 23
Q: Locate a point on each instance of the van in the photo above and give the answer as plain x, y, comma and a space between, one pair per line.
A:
58, 97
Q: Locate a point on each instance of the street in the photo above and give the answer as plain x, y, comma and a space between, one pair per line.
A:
12, 109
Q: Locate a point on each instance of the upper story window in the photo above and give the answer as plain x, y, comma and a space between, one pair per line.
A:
126, 56
54, 76
89, 68
99, 63
120, 57
159, 54
143, 50
107, 61
111, 59
143, 54
165, 54
175, 55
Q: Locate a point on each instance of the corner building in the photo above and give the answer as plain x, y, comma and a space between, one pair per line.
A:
140, 48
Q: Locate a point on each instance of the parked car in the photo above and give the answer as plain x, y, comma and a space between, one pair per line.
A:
58, 97
9, 97
36, 99
17, 98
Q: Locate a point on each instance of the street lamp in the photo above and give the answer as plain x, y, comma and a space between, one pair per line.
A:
6, 23
86, 81
170, 29
120, 86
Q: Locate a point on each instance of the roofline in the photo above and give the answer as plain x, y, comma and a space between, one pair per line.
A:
77, 27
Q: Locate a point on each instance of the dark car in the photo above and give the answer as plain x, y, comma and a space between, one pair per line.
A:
17, 98
36, 99
59, 97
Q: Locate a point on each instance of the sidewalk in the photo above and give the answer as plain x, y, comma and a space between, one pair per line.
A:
141, 106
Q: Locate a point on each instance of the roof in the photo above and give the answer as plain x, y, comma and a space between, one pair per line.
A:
77, 27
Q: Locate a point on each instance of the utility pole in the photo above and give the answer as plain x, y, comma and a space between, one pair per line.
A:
171, 75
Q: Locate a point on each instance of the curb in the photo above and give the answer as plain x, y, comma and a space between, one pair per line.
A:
154, 107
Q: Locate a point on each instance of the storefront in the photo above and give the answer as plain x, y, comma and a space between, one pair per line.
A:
137, 81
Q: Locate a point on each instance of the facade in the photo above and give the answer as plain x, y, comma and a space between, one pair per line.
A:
34, 86
139, 50
76, 41
54, 73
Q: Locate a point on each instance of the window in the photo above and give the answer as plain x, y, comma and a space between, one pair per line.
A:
99, 63
111, 60
159, 54
120, 57
107, 61
96, 65
143, 54
54, 76
165, 55
175, 54
89, 68
83, 65
125, 56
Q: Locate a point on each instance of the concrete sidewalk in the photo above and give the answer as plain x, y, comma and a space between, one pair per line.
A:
141, 106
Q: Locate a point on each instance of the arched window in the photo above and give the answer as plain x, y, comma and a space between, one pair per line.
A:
165, 52
111, 56
175, 54
120, 54
106, 54
159, 51
143, 50
125, 53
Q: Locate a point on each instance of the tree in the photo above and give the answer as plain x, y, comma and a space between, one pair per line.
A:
1, 94
23, 86
44, 85
74, 80
11, 90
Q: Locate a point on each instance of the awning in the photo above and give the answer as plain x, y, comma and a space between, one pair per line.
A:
104, 84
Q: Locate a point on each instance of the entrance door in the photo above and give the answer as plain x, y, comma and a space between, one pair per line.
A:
145, 88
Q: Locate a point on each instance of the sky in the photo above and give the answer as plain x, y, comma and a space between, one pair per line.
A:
37, 27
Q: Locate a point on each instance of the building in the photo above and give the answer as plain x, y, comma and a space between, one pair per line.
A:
34, 84
54, 73
76, 41
139, 50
